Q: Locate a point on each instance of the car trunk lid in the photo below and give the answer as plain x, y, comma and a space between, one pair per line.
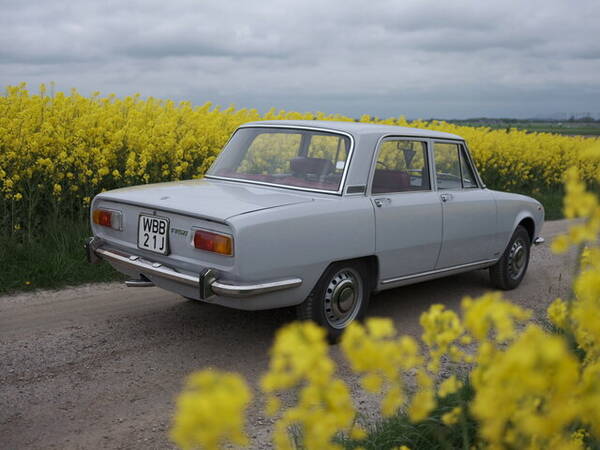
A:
209, 199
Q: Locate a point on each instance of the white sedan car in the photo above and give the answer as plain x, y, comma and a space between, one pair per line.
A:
317, 215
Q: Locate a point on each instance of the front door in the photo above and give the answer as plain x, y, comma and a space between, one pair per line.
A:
408, 213
469, 211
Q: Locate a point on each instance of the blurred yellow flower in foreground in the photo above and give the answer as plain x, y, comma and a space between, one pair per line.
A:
211, 411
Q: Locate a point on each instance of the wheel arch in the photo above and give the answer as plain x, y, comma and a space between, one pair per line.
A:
529, 224
371, 262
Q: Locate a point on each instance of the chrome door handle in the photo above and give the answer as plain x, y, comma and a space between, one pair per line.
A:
379, 202
446, 197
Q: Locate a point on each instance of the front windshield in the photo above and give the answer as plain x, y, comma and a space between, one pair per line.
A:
287, 157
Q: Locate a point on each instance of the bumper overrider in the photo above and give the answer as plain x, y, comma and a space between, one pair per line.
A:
206, 281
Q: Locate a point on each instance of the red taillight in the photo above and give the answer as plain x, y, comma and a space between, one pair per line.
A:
107, 218
213, 242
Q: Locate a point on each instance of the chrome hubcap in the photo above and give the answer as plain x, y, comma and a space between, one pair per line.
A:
343, 297
517, 259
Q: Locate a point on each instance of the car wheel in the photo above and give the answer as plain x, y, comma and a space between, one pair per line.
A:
340, 297
510, 270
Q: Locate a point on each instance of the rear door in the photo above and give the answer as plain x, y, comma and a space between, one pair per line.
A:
469, 210
408, 212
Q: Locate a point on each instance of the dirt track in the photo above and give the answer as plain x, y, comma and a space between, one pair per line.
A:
99, 366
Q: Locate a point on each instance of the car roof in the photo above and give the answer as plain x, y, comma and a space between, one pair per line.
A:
358, 128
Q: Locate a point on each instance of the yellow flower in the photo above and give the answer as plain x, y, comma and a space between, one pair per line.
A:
560, 244
423, 401
211, 411
452, 417
528, 392
449, 386
557, 313
300, 358
358, 433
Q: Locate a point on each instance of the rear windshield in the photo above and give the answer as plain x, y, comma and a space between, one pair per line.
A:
286, 157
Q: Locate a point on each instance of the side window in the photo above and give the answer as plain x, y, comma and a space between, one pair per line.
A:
401, 167
447, 166
468, 178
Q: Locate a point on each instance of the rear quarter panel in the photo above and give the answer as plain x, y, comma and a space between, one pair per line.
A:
302, 240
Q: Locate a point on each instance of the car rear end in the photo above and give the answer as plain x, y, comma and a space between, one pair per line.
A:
161, 247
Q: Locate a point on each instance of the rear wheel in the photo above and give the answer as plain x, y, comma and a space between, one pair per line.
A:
340, 297
510, 270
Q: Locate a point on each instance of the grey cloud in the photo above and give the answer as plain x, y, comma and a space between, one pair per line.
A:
416, 57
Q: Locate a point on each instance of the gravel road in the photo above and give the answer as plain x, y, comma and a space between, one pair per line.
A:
99, 366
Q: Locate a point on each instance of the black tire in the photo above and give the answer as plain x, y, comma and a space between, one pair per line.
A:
510, 270
340, 296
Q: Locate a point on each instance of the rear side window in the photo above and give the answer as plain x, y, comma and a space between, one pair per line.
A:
401, 167
452, 168
447, 166
468, 178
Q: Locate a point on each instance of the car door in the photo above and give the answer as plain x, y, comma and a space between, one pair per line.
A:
469, 210
408, 212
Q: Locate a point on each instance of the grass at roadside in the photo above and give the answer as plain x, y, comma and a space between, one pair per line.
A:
430, 434
55, 258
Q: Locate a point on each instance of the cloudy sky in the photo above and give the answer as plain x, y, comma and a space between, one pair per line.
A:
417, 58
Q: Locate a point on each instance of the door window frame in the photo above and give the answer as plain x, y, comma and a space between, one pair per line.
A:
462, 149
429, 154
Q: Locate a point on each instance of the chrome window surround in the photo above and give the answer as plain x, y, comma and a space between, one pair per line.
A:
432, 186
462, 146
340, 190
376, 156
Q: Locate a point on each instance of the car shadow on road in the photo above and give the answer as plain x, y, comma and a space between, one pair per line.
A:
213, 325
405, 304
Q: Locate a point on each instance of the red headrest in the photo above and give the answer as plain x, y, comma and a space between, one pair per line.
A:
317, 166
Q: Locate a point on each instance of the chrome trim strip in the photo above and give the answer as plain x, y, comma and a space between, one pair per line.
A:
260, 183
340, 191
538, 240
218, 287
139, 283
246, 290
433, 272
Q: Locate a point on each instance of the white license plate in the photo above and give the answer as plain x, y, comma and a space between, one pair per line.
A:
153, 234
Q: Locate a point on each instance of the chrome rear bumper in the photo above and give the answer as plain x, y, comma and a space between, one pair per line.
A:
206, 281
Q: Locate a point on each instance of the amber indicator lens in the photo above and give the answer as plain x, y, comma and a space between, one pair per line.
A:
213, 242
105, 218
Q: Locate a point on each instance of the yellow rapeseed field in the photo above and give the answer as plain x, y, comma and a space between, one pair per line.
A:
58, 151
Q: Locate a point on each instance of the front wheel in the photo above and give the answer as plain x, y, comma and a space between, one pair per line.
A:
510, 270
340, 296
